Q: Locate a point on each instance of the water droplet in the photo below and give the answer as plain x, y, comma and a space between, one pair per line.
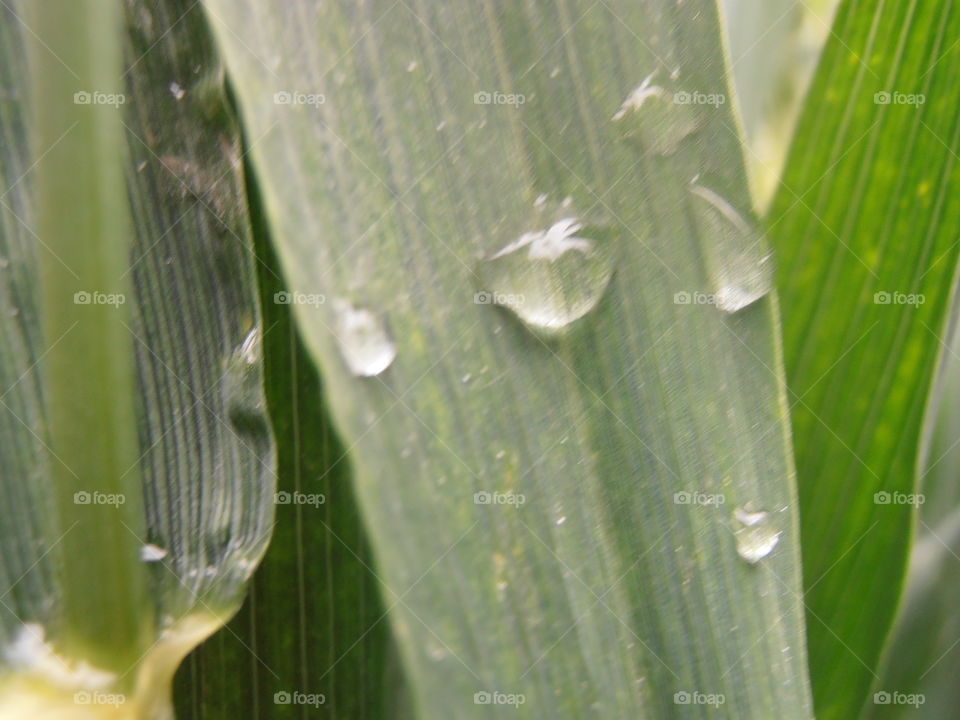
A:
736, 253
412, 65
561, 520
363, 340
555, 272
249, 350
177, 91
755, 534
244, 390
152, 553
656, 116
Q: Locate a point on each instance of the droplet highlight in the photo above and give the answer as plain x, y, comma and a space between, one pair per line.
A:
756, 534
363, 340
152, 553
555, 272
738, 258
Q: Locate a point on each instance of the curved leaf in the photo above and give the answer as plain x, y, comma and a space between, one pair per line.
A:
201, 444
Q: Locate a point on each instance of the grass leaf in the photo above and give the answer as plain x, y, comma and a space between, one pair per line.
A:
398, 144
867, 254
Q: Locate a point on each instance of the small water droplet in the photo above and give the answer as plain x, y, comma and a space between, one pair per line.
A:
755, 533
466, 378
556, 271
363, 340
561, 520
243, 386
177, 91
657, 117
412, 65
738, 259
152, 553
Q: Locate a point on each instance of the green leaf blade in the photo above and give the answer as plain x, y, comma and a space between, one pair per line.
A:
599, 594
863, 227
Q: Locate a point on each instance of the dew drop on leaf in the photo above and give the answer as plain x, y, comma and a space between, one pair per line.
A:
244, 397
363, 340
755, 533
555, 272
655, 116
738, 258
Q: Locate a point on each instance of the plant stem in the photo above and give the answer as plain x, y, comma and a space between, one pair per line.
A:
83, 245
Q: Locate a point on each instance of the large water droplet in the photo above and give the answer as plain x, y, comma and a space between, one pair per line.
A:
555, 272
363, 340
738, 259
656, 116
755, 533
